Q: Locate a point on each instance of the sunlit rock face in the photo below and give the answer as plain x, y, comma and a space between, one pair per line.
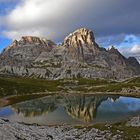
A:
36, 40
81, 45
80, 37
78, 56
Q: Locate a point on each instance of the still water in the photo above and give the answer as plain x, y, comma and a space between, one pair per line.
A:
69, 109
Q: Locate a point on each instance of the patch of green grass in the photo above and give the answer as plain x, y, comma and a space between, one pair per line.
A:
134, 80
91, 82
112, 87
101, 85
16, 86
19, 86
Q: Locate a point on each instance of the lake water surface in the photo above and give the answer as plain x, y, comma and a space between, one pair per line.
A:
69, 109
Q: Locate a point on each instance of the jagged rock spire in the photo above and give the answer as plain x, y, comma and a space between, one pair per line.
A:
113, 50
80, 37
80, 45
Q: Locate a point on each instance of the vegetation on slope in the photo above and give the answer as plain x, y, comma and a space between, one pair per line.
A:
19, 86
15, 85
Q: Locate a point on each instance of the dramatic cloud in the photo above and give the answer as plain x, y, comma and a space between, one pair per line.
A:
128, 45
55, 18
114, 22
47, 18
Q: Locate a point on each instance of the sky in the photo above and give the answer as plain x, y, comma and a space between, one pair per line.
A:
114, 22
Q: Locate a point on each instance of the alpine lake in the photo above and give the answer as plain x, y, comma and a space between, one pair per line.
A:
68, 109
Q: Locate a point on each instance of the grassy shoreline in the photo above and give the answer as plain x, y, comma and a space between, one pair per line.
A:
26, 86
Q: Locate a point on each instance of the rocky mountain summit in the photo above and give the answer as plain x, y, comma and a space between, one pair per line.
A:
25, 51
78, 56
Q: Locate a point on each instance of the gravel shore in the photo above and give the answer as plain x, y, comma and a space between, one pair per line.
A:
134, 122
20, 131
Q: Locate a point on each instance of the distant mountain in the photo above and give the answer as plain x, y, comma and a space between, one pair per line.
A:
78, 56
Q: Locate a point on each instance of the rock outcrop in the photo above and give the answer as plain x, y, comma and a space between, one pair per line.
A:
78, 56
81, 45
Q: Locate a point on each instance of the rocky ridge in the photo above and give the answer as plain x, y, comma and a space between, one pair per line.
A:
78, 56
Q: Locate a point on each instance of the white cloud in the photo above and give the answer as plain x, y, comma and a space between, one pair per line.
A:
56, 18
130, 51
135, 49
40, 17
128, 45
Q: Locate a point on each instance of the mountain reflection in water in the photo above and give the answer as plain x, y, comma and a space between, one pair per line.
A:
85, 109
38, 107
81, 107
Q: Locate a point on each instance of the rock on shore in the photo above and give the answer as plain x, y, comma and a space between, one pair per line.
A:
134, 122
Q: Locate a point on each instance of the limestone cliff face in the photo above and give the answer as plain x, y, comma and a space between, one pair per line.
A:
81, 38
25, 51
78, 56
36, 40
80, 45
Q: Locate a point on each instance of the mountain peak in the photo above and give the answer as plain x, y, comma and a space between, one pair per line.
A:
80, 37
30, 39
33, 40
36, 40
83, 31
113, 50
13, 44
